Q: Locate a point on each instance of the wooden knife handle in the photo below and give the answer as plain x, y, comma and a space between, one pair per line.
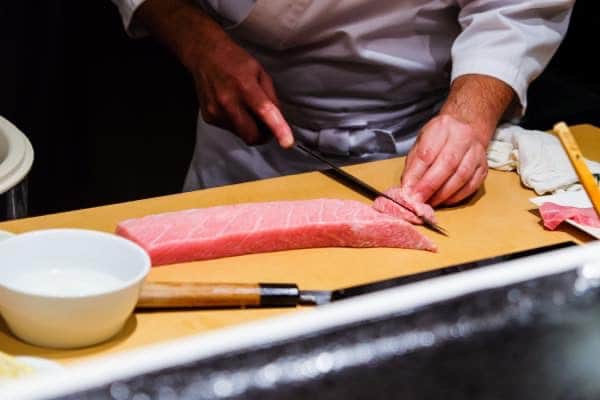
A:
216, 295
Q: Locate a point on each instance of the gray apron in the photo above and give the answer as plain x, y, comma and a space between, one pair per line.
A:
356, 79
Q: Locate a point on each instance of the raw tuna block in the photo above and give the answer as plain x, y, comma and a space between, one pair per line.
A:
554, 214
207, 233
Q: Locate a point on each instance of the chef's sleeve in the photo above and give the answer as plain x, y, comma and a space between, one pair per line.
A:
511, 40
127, 8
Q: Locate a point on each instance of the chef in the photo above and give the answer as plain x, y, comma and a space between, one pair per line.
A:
357, 80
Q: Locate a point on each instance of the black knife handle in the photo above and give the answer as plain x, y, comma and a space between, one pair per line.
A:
279, 294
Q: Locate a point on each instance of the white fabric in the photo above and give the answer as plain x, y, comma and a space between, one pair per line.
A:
346, 68
233, 11
538, 157
228, 11
127, 8
511, 40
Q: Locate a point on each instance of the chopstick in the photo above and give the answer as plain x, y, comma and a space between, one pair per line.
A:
583, 172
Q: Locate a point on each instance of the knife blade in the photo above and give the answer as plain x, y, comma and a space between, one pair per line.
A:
320, 297
364, 188
344, 293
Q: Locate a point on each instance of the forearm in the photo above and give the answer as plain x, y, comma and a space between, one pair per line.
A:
182, 26
480, 101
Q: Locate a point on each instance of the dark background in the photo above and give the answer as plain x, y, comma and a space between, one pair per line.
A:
112, 119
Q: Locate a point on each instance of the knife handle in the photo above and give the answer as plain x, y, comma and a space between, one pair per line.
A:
217, 295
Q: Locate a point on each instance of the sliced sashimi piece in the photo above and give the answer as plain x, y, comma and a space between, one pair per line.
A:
554, 214
207, 233
387, 206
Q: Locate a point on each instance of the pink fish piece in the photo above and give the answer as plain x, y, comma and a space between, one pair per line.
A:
554, 214
387, 206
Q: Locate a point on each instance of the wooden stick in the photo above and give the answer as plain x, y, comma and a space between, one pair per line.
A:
583, 172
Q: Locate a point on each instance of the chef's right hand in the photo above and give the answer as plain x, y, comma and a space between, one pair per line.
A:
234, 91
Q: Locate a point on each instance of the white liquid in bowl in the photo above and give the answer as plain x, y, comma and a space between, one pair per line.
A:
64, 282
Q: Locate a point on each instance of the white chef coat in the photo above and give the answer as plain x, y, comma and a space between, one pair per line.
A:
358, 78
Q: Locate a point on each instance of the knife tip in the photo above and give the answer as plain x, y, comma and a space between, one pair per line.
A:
432, 225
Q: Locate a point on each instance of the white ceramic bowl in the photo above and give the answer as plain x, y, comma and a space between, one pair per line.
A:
16, 155
67, 288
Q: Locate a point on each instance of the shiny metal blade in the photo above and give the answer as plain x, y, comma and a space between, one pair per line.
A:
314, 297
366, 189
433, 226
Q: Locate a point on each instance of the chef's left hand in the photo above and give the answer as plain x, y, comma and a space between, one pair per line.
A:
447, 163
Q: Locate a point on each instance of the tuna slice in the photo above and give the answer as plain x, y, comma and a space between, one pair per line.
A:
387, 206
554, 214
207, 233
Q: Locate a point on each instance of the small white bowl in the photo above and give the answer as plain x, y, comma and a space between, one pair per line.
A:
68, 288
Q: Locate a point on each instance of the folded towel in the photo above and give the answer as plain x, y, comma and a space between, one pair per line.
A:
538, 157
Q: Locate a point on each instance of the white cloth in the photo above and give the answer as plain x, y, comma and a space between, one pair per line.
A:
355, 75
538, 157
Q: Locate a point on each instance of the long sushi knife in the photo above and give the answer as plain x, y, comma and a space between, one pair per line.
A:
364, 188
197, 295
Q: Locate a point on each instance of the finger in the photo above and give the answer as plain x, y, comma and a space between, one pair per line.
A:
420, 158
212, 114
458, 178
442, 168
470, 187
242, 122
266, 83
211, 111
264, 109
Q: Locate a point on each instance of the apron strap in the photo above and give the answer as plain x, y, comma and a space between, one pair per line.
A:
348, 141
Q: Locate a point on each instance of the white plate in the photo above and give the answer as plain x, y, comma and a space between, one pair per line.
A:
5, 235
39, 365
573, 199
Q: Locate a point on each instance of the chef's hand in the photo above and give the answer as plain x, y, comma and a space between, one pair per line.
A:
234, 91
448, 162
